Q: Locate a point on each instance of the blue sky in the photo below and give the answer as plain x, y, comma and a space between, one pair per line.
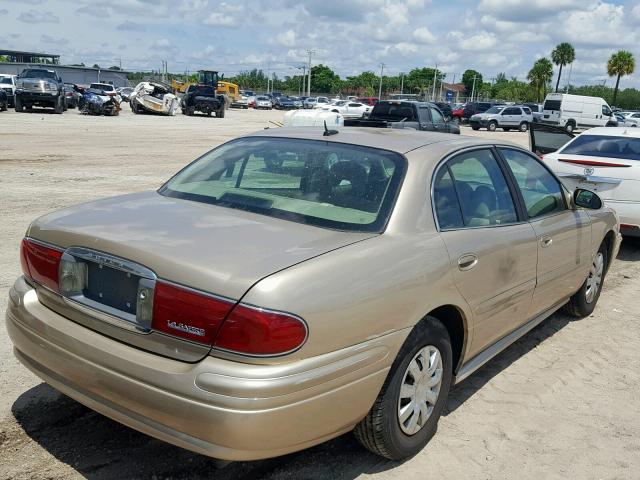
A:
491, 36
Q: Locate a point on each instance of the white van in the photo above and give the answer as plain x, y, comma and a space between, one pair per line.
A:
576, 111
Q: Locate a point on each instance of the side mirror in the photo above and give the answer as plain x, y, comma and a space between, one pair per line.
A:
586, 199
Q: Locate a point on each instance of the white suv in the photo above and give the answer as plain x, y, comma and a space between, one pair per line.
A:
8, 84
506, 117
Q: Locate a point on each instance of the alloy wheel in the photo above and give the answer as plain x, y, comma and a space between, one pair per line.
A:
420, 389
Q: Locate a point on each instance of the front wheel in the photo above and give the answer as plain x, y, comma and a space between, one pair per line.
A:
492, 126
17, 104
583, 303
569, 127
405, 415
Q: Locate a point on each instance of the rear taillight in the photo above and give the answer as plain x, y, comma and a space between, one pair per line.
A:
256, 331
188, 314
40, 263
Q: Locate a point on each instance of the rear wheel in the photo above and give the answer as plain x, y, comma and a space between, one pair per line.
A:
3, 107
524, 126
473, 127
570, 126
493, 125
405, 415
584, 301
220, 112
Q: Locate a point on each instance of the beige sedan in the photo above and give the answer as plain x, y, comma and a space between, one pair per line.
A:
290, 286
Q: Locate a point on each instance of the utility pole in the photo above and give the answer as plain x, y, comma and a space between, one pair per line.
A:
440, 94
473, 88
435, 80
268, 75
310, 52
380, 87
401, 83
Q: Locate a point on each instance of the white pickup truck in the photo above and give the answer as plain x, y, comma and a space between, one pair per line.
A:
8, 84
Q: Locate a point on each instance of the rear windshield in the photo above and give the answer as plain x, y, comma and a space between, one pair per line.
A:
393, 111
340, 186
552, 104
605, 146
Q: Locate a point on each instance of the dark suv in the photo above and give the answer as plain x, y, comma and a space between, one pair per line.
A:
472, 108
40, 87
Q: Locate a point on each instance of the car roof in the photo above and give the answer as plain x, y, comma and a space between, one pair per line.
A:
398, 140
614, 132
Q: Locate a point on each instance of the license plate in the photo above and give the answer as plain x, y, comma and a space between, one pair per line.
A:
112, 287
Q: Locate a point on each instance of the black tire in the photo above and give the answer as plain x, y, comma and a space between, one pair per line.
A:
134, 107
578, 306
190, 111
380, 430
59, 107
506, 129
18, 105
570, 126
65, 107
220, 112
524, 126
475, 128
493, 125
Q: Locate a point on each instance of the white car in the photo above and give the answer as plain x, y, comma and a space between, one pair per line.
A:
632, 117
605, 160
349, 109
321, 102
262, 101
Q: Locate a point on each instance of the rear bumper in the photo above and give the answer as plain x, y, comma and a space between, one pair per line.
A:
216, 407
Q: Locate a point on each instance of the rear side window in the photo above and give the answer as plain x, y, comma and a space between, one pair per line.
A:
605, 146
552, 104
482, 197
526, 110
540, 190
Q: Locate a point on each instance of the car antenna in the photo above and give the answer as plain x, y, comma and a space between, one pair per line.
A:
327, 132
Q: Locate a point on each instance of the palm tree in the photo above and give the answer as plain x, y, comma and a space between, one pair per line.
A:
540, 75
562, 55
620, 63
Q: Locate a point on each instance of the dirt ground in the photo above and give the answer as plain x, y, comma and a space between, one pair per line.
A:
563, 402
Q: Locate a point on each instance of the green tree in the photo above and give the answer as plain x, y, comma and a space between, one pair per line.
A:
540, 76
468, 79
619, 64
323, 79
95, 65
420, 80
562, 55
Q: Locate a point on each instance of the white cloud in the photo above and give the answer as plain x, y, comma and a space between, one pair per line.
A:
219, 19
286, 39
424, 35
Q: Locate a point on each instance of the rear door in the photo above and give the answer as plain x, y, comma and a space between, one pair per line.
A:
563, 234
492, 251
511, 117
545, 139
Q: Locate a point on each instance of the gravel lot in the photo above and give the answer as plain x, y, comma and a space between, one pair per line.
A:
563, 402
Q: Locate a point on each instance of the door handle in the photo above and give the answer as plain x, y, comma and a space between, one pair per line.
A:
467, 261
546, 241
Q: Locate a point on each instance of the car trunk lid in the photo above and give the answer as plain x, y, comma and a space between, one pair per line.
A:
207, 248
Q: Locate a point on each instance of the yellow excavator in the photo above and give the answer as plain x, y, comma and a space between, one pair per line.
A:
210, 77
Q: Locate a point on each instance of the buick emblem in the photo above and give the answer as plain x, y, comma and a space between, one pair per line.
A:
588, 171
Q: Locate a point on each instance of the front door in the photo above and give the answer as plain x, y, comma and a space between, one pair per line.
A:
563, 234
492, 252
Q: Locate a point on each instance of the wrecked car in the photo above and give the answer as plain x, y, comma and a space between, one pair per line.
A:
153, 97
95, 101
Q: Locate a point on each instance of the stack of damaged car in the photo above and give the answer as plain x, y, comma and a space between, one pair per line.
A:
98, 102
153, 97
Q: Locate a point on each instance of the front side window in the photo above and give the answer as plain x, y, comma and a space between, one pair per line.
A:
436, 115
541, 192
606, 111
341, 186
481, 192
